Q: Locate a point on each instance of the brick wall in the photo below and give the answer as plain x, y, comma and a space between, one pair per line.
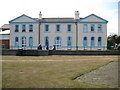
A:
4, 43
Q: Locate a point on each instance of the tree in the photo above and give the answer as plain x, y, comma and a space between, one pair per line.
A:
113, 42
118, 42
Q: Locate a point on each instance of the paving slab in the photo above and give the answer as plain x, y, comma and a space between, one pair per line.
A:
106, 75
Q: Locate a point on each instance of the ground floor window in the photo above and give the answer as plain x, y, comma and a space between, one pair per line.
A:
99, 41
46, 41
69, 41
92, 41
85, 41
23, 42
16, 42
58, 42
30, 41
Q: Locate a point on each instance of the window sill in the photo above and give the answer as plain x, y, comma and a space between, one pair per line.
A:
92, 31
100, 31
57, 31
46, 31
85, 31
69, 31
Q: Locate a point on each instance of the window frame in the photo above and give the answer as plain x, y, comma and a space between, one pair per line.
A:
24, 42
58, 43
92, 44
85, 42
30, 45
69, 29
99, 30
17, 42
23, 28
58, 28
85, 27
46, 39
99, 42
46, 28
92, 26
31, 28
69, 41
16, 28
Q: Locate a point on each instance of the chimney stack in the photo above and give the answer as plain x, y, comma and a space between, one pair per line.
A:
40, 15
77, 15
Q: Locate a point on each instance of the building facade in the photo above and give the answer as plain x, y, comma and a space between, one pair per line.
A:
88, 33
5, 36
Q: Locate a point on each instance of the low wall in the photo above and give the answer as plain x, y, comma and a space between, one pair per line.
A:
79, 52
57, 52
25, 52
9, 52
35, 53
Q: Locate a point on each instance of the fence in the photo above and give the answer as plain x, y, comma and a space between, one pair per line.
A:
61, 48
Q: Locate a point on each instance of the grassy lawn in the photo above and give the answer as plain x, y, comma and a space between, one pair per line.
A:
57, 73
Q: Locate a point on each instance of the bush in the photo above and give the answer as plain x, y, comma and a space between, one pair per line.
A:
119, 48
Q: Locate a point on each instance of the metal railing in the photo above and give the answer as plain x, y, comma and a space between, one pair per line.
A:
60, 48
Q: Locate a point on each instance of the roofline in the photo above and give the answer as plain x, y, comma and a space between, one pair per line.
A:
95, 16
5, 34
20, 17
40, 21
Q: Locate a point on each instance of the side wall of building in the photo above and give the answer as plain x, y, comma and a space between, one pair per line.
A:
95, 34
63, 34
4, 41
26, 34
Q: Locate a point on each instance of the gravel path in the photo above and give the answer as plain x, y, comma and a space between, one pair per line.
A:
106, 76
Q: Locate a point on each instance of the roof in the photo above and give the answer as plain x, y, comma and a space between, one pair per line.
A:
94, 16
5, 26
23, 15
57, 20
5, 32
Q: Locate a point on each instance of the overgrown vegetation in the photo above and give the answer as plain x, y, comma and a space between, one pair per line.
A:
113, 42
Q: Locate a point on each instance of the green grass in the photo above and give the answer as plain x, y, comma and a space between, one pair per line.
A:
50, 74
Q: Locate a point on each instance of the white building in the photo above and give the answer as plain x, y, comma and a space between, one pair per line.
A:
4, 36
88, 33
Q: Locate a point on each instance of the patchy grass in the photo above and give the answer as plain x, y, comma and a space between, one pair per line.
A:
57, 57
50, 74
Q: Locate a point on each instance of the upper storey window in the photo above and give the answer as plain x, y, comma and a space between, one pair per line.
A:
23, 28
92, 27
46, 28
16, 28
69, 28
99, 27
30, 28
58, 28
85, 28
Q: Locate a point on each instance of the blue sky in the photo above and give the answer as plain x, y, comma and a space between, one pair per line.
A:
107, 9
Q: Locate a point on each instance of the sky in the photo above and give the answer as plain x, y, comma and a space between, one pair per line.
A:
107, 9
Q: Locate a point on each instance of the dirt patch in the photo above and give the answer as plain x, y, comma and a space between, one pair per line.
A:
106, 76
